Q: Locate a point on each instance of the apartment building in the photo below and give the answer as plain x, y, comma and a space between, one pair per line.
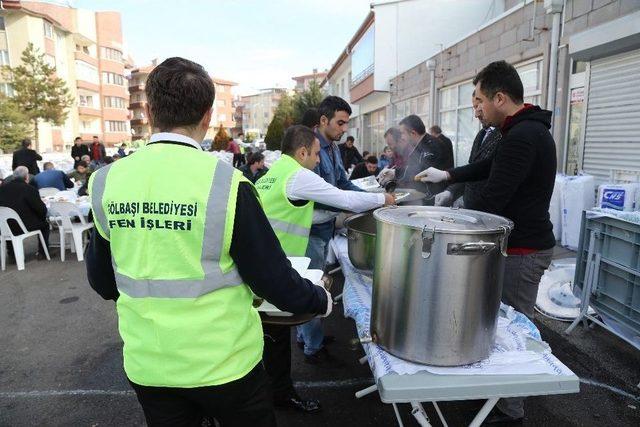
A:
86, 49
303, 82
259, 108
223, 108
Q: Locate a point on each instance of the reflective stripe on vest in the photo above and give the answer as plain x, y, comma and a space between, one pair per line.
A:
212, 244
289, 228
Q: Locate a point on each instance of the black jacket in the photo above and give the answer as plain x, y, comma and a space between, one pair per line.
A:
479, 151
447, 147
521, 177
26, 157
428, 153
246, 171
350, 156
78, 151
361, 171
25, 200
256, 251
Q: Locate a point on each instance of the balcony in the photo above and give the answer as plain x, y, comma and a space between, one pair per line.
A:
89, 111
362, 84
83, 84
137, 104
136, 88
81, 56
139, 121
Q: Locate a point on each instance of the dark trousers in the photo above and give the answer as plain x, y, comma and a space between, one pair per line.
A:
244, 402
277, 360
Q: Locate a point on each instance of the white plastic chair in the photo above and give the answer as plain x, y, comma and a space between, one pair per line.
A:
6, 235
63, 213
48, 191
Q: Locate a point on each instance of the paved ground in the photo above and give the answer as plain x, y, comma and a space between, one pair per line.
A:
61, 365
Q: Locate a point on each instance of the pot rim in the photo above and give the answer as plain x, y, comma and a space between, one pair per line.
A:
354, 217
506, 229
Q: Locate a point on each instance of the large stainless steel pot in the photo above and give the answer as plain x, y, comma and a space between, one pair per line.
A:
437, 283
361, 234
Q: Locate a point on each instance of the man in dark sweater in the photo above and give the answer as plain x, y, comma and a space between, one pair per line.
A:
436, 132
519, 186
26, 157
367, 168
349, 153
78, 150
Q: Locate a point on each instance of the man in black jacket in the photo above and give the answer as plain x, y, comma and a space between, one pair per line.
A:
349, 153
78, 150
26, 157
484, 147
519, 186
367, 168
25, 200
436, 132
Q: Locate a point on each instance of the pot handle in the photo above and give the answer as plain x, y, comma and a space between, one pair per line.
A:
470, 248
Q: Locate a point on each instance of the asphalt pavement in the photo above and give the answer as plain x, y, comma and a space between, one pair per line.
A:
61, 365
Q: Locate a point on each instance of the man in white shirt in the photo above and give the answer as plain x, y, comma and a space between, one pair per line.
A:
288, 193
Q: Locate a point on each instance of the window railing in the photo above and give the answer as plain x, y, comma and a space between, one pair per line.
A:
360, 77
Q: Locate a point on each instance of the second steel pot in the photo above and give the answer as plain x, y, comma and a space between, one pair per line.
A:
361, 233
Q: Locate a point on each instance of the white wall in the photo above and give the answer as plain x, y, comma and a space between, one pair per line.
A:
408, 33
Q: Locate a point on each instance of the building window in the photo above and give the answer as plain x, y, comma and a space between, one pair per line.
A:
115, 126
531, 76
418, 106
112, 54
48, 29
112, 78
222, 118
2, 27
374, 128
221, 103
87, 72
363, 57
220, 89
6, 89
457, 119
4, 57
50, 60
83, 49
86, 101
114, 102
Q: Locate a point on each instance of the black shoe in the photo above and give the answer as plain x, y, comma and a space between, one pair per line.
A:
295, 402
323, 358
498, 418
328, 339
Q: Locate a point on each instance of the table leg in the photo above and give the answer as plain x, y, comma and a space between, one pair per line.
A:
444, 423
486, 408
419, 414
366, 391
395, 409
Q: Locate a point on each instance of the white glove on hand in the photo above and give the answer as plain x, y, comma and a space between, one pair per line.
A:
386, 175
432, 175
443, 199
320, 284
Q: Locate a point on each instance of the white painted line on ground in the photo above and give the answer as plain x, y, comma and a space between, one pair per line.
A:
354, 382
616, 390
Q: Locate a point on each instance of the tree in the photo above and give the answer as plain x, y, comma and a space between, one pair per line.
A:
310, 98
39, 93
220, 140
14, 126
275, 133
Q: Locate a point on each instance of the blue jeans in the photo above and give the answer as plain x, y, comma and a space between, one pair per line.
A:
311, 333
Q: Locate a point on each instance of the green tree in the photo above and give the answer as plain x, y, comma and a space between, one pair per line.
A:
275, 133
220, 140
310, 98
14, 126
39, 93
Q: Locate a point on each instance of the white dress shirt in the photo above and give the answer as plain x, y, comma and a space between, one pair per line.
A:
307, 185
170, 136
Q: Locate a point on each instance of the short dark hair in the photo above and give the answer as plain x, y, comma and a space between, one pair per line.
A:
96, 136
295, 137
26, 143
415, 123
365, 154
108, 160
371, 159
179, 93
230, 139
311, 118
435, 129
331, 104
255, 158
350, 138
82, 163
47, 166
500, 76
394, 132
77, 138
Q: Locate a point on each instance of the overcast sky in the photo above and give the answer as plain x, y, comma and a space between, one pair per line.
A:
257, 43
